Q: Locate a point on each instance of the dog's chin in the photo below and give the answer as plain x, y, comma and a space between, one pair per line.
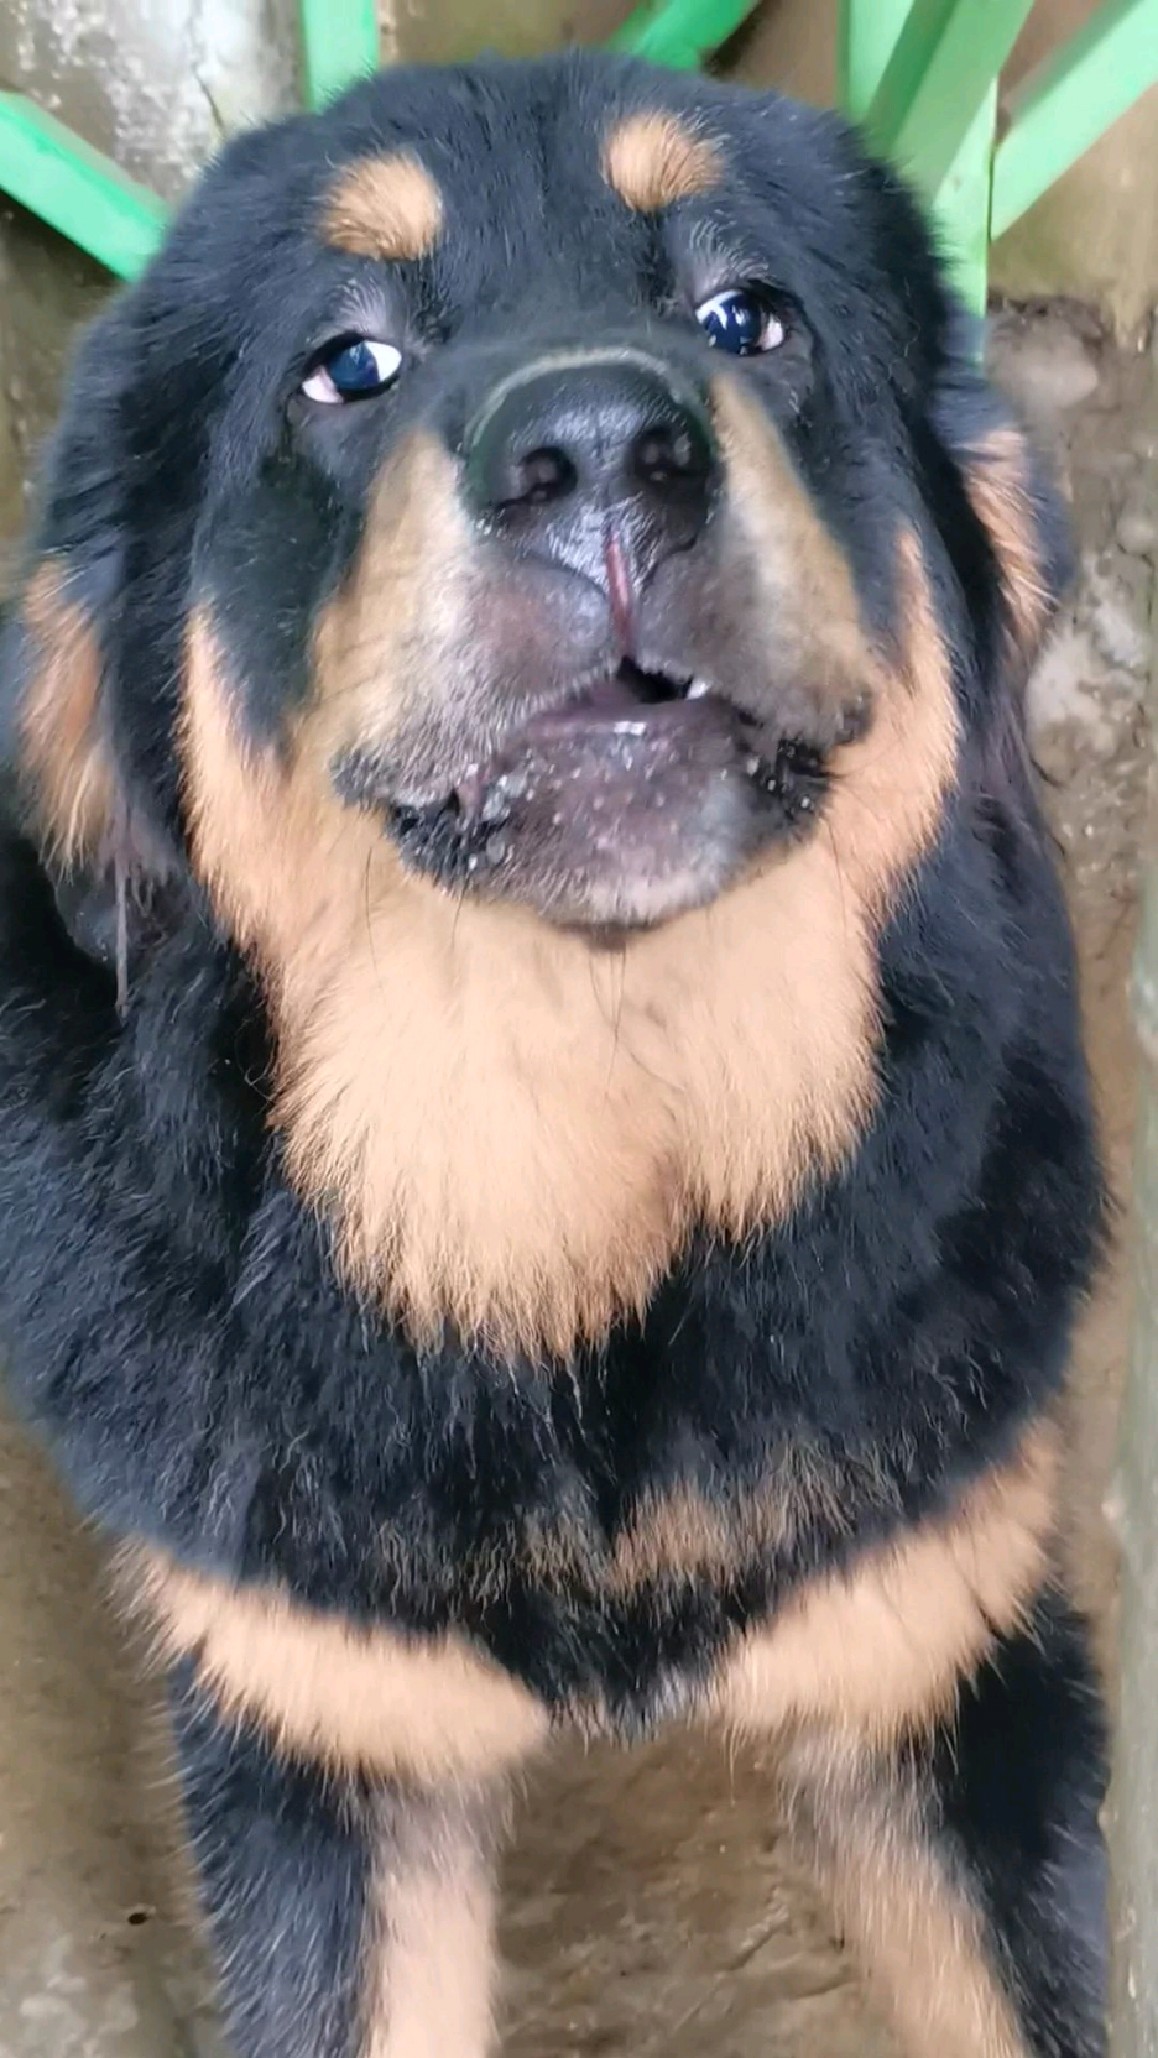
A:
608, 814
631, 865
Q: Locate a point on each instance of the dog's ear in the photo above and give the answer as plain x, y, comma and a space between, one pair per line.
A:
1013, 494
1014, 584
1000, 514
66, 770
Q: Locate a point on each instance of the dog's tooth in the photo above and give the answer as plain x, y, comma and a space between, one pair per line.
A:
698, 690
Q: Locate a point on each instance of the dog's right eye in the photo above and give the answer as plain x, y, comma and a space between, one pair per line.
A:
356, 368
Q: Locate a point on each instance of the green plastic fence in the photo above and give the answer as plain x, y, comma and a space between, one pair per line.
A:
920, 76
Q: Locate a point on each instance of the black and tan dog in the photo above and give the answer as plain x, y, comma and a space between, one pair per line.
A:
546, 1167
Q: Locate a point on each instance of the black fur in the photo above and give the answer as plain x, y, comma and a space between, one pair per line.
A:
285, 1866
1020, 1771
172, 1320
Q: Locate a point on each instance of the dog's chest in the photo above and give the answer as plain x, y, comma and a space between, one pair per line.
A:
517, 1134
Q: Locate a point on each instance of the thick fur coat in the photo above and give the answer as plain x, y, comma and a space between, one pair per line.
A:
534, 1196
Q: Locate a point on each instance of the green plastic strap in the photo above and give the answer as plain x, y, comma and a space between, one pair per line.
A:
1070, 100
961, 208
867, 32
947, 57
76, 189
340, 43
681, 33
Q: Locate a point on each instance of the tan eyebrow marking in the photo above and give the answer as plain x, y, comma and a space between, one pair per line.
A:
654, 159
385, 207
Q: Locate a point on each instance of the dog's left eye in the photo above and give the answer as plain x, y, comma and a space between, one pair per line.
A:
355, 369
741, 320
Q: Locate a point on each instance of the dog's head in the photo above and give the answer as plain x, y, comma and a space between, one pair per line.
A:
553, 492
523, 455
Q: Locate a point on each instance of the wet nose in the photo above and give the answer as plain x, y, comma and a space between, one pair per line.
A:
558, 450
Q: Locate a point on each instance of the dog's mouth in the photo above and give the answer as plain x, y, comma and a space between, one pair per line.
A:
638, 715
631, 688
643, 791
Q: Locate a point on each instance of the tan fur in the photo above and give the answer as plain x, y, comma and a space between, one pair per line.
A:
511, 1131
676, 1536
355, 1700
65, 749
859, 1825
384, 207
806, 588
653, 159
391, 648
996, 481
431, 1973
683, 1537
882, 1649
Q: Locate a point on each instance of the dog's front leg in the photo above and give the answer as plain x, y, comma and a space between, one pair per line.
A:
966, 1864
351, 1918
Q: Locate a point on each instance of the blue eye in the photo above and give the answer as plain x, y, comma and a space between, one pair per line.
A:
353, 370
740, 320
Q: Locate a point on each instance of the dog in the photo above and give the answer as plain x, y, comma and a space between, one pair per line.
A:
547, 1159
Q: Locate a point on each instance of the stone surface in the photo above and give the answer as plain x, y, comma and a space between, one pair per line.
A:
1047, 365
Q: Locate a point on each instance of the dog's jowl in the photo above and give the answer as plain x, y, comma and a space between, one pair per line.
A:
546, 1160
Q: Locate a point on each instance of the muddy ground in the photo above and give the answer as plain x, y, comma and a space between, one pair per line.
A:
649, 1906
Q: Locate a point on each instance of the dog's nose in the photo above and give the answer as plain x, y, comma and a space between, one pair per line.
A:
558, 450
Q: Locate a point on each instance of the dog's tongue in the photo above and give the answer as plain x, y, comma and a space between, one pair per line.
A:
603, 706
625, 696
627, 692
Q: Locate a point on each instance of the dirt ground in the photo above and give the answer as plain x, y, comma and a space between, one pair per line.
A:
648, 1906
